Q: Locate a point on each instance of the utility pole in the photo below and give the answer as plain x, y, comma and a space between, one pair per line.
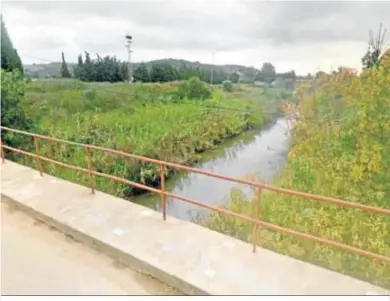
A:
129, 40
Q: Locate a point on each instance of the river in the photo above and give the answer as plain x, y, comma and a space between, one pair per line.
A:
263, 153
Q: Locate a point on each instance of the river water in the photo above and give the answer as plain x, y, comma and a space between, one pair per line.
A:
263, 153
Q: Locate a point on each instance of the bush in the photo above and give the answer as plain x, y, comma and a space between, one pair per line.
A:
12, 113
194, 88
341, 149
90, 94
285, 95
227, 86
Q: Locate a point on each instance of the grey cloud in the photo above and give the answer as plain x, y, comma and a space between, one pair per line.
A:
326, 21
206, 26
290, 22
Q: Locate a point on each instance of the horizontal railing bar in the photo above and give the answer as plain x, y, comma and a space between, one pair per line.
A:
43, 137
218, 176
216, 209
151, 189
274, 227
45, 159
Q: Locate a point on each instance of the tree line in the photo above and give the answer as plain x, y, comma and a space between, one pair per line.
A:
165, 72
106, 69
111, 69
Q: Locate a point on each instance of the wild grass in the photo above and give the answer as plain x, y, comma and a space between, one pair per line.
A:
143, 119
341, 149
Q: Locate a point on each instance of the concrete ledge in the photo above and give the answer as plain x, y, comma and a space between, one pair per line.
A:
191, 258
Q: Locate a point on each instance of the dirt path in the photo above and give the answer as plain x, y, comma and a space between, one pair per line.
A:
38, 260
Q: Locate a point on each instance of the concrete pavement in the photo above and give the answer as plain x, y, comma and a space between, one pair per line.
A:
191, 258
37, 260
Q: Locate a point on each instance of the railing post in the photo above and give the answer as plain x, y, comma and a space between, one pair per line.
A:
2, 152
163, 196
36, 144
89, 162
256, 210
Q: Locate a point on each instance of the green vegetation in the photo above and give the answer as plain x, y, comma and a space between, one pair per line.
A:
267, 73
375, 48
163, 70
194, 88
107, 69
227, 86
341, 148
12, 91
64, 68
10, 59
173, 122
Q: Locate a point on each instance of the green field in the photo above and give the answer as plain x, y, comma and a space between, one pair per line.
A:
143, 119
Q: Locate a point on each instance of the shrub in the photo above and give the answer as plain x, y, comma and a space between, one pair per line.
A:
341, 149
194, 88
90, 94
227, 86
12, 113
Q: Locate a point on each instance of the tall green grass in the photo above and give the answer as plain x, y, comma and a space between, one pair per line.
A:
341, 148
143, 119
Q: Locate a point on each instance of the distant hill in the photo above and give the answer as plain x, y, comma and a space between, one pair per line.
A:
244, 70
46, 70
49, 70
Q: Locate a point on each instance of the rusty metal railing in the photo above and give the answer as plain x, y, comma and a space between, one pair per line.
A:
257, 222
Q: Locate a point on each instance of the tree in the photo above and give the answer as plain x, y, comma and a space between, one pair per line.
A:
10, 59
293, 75
79, 69
375, 49
157, 73
64, 68
234, 77
194, 88
107, 69
88, 68
267, 73
227, 86
124, 72
12, 93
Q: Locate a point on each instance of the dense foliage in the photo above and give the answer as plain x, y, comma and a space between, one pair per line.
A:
12, 91
341, 148
144, 119
165, 72
227, 86
12, 111
194, 88
10, 59
267, 73
64, 68
375, 48
107, 69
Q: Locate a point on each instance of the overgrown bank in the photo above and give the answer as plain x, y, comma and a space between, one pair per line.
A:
341, 148
154, 120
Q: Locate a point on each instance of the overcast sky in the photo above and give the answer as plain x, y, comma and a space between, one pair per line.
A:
305, 36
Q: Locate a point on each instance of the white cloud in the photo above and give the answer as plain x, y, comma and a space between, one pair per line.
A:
303, 36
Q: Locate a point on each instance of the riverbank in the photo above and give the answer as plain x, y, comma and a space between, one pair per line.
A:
262, 152
342, 153
147, 120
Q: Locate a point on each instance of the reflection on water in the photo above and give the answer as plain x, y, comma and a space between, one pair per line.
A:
264, 154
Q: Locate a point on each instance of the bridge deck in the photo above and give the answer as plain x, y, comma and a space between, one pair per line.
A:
184, 255
37, 260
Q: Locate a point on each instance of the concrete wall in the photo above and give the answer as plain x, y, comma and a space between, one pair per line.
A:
186, 256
